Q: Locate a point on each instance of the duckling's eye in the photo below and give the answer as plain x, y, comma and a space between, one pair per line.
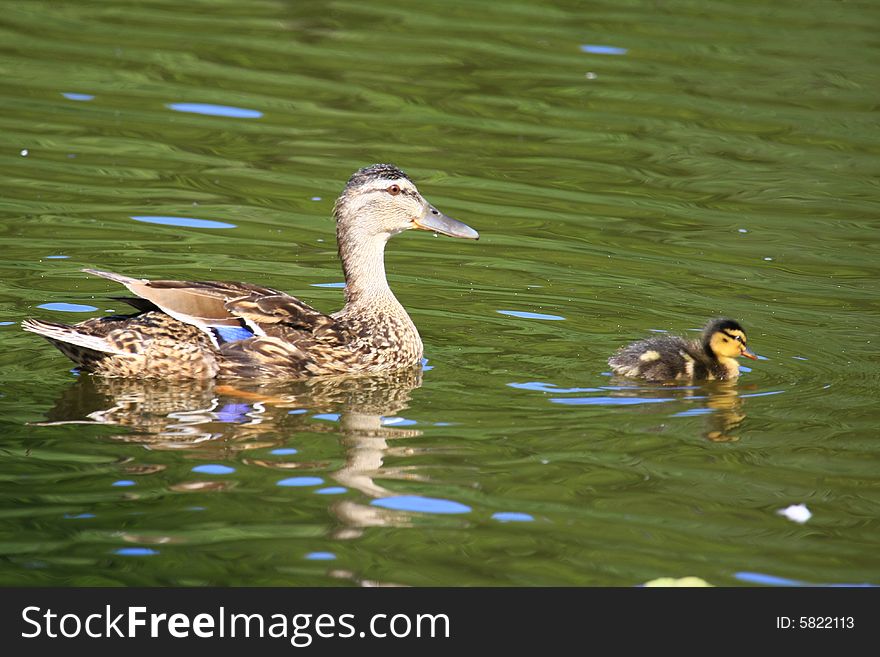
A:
394, 190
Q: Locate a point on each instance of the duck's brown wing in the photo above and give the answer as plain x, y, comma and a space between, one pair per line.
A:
212, 304
280, 314
201, 304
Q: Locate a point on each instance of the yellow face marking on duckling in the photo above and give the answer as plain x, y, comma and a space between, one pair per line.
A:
649, 356
730, 344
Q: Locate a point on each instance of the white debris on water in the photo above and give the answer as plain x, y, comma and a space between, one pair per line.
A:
796, 513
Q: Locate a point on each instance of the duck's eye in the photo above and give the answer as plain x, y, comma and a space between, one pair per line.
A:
394, 190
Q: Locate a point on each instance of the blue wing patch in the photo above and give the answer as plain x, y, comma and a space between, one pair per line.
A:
232, 333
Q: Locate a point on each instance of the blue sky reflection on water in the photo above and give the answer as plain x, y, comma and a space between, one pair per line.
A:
136, 552
209, 109
214, 469
522, 314
183, 222
296, 482
614, 401
596, 49
421, 504
512, 516
76, 96
68, 307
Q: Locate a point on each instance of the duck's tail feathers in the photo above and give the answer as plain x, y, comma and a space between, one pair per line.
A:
62, 333
119, 278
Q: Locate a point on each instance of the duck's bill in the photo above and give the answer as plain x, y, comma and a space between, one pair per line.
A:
748, 353
438, 222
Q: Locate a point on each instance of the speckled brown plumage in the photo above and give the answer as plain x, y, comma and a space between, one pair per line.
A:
214, 329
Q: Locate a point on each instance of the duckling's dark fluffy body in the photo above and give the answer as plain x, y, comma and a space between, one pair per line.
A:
673, 358
666, 358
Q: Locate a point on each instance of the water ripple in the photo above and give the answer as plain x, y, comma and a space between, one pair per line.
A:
594, 49
214, 468
512, 516
773, 580
300, 481
185, 222
136, 552
80, 97
539, 386
68, 307
216, 110
529, 315
421, 504
613, 401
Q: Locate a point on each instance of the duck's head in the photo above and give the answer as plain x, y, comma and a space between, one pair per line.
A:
725, 338
381, 200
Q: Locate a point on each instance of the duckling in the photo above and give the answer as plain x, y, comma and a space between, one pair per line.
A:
668, 358
211, 329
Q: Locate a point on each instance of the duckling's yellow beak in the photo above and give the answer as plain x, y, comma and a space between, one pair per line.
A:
438, 222
748, 353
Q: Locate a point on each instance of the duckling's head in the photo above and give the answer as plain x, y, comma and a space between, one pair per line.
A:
381, 200
725, 338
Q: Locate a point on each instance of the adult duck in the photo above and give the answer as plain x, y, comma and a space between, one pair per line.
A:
211, 329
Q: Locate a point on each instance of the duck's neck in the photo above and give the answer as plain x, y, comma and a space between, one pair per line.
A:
731, 367
706, 346
363, 264
727, 367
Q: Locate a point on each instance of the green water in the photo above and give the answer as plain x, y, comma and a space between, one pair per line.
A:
719, 158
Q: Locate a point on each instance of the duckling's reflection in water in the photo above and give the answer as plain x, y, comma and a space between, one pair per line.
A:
719, 402
220, 419
727, 414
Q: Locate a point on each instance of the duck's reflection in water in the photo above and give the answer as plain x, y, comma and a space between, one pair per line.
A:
366, 439
225, 419
719, 402
725, 412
